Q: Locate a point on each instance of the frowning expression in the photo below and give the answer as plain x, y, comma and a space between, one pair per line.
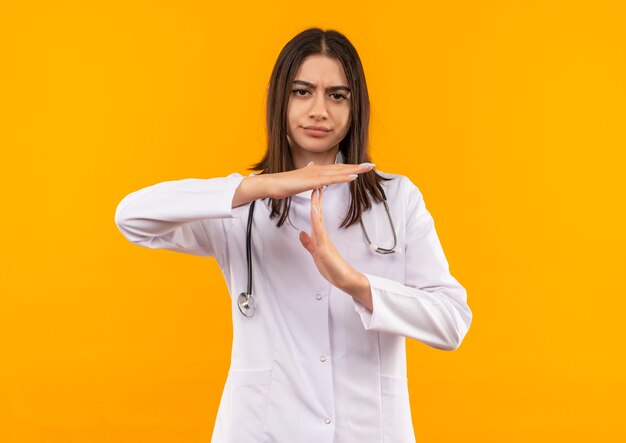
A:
318, 113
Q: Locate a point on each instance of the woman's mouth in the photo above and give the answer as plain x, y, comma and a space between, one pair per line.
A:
315, 132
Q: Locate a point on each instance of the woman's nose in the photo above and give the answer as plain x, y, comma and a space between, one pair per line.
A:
318, 108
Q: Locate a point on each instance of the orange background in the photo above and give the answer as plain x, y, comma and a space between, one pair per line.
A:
509, 116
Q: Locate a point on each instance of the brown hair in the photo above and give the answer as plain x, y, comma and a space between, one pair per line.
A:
354, 146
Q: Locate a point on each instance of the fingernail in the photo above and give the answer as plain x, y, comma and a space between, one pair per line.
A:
315, 210
367, 164
353, 176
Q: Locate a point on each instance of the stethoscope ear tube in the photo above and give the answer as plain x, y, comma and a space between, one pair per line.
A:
395, 249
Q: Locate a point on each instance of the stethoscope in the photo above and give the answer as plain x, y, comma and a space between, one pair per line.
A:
246, 302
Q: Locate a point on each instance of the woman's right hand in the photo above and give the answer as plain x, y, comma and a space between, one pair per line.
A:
312, 176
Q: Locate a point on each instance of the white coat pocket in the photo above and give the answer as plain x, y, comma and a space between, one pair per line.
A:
396, 410
248, 394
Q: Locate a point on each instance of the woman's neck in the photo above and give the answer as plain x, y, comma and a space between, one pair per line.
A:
302, 158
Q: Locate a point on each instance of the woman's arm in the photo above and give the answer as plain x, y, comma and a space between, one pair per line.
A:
191, 215
184, 215
432, 306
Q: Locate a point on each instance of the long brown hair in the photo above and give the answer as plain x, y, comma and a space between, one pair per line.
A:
354, 146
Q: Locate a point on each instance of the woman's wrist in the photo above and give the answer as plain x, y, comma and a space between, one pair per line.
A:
252, 187
358, 286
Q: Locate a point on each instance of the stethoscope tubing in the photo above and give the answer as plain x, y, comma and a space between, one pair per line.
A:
249, 247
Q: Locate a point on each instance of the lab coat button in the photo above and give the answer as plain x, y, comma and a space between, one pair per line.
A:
322, 358
318, 296
327, 420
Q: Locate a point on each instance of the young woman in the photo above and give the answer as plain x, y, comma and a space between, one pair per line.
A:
329, 264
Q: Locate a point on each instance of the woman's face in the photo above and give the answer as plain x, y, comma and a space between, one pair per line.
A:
319, 96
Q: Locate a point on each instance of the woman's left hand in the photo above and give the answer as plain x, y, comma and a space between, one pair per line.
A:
328, 260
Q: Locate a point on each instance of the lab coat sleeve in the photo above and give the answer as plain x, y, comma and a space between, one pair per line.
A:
191, 216
431, 306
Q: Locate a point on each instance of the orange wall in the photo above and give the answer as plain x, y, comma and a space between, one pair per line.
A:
509, 116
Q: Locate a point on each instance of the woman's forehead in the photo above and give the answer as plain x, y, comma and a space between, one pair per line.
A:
321, 69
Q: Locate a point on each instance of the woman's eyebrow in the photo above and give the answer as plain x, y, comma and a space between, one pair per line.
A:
330, 88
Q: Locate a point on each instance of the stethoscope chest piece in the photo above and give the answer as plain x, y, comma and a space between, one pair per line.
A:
246, 304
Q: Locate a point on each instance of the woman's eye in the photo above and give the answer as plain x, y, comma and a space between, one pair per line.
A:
337, 96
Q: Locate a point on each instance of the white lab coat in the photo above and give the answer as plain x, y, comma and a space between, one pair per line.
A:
313, 365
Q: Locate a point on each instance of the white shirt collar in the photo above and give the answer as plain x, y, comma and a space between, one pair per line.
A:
339, 157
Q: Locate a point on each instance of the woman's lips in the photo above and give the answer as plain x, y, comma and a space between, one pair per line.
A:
315, 132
